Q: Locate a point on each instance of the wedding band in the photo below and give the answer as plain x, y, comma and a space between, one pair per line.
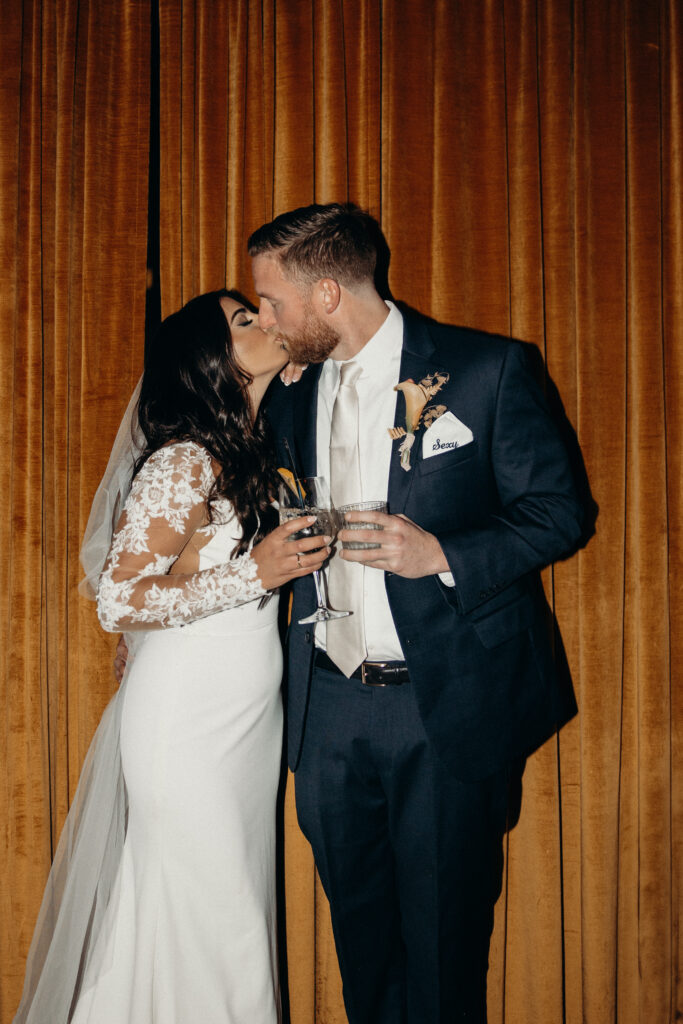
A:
298, 559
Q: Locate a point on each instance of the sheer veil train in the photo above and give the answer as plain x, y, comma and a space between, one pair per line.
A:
70, 939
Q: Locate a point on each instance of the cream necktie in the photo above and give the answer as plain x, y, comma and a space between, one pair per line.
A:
346, 637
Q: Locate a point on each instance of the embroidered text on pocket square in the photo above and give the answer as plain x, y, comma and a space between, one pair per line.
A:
445, 434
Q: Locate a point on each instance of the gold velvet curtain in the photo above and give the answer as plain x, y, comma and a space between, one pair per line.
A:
524, 161
74, 113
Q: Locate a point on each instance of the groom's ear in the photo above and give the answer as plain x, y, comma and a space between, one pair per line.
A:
328, 294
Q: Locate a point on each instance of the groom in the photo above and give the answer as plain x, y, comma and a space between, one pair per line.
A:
406, 719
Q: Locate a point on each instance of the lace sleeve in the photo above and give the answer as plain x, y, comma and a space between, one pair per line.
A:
165, 507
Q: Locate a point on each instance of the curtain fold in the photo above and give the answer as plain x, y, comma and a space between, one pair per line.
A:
671, 92
25, 794
216, 148
73, 165
524, 161
644, 905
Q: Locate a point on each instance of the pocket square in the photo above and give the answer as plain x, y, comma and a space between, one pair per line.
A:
444, 435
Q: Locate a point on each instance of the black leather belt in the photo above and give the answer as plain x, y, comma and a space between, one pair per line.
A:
370, 673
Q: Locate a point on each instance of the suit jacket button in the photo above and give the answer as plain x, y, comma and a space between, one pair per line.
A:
307, 636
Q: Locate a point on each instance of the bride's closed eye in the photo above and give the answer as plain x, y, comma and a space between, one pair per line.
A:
241, 318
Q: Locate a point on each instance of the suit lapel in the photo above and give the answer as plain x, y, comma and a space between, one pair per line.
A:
305, 413
416, 363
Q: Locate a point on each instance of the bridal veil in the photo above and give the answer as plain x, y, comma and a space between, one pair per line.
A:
69, 946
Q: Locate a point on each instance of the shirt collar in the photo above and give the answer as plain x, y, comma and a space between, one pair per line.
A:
379, 353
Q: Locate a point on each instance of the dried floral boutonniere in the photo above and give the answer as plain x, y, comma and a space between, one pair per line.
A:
416, 397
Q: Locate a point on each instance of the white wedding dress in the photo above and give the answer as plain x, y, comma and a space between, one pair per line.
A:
188, 931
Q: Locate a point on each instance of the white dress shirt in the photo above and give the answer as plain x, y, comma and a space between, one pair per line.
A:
380, 362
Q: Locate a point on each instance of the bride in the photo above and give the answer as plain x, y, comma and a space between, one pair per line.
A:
160, 907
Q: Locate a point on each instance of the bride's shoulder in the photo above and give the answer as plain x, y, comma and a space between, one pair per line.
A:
178, 463
176, 454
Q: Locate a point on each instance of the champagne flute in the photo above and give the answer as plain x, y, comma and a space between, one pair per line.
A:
310, 496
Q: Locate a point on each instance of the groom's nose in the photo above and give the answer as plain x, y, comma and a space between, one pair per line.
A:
266, 320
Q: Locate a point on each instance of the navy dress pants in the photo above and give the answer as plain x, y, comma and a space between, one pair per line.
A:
410, 857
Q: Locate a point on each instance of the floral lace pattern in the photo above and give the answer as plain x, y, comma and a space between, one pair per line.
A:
166, 506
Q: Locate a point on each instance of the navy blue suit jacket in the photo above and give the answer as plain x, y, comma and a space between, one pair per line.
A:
503, 507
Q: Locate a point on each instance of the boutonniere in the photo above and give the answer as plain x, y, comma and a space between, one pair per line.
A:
416, 398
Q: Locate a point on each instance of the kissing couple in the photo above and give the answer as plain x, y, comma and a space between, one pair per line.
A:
406, 719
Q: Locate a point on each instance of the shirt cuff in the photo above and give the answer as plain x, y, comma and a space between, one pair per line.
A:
447, 579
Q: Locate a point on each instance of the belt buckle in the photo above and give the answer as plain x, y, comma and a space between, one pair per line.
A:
375, 664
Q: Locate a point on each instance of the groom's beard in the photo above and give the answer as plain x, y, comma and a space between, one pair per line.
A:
313, 342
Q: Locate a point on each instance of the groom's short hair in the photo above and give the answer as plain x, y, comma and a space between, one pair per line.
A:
333, 240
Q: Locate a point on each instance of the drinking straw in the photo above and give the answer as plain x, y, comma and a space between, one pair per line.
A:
295, 474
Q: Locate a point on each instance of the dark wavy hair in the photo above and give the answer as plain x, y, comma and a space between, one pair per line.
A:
193, 389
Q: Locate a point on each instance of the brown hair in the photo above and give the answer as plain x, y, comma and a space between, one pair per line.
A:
335, 240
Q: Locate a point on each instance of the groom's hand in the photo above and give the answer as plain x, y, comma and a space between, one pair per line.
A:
406, 549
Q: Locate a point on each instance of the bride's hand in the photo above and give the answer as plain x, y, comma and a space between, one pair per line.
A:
120, 659
292, 373
279, 559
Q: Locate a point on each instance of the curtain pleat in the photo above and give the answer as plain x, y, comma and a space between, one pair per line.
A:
671, 95
601, 241
524, 160
73, 165
25, 799
644, 908
216, 142
361, 35
537, 80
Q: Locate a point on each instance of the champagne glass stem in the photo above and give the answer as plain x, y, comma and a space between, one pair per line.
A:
318, 588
